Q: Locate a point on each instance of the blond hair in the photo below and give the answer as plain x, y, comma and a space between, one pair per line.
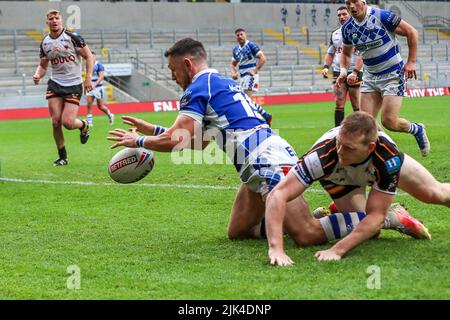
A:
52, 11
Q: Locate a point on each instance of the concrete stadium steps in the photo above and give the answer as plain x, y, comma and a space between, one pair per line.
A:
287, 65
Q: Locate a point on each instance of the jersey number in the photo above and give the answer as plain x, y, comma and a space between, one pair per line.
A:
249, 107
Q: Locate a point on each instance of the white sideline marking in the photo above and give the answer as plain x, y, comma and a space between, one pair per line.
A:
155, 185
90, 183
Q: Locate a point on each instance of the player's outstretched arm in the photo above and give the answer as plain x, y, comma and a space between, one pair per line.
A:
377, 206
276, 202
146, 128
178, 137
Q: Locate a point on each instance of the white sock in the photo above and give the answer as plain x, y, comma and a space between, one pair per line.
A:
338, 225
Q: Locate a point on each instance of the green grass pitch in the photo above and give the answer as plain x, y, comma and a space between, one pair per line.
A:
156, 239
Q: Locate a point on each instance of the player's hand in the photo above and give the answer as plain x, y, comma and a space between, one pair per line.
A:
409, 71
279, 258
139, 124
252, 72
124, 138
340, 80
87, 85
325, 72
234, 75
352, 79
327, 255
36, 79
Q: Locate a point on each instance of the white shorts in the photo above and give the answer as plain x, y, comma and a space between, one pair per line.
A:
98, 93
268, 164
250, 83
389, 84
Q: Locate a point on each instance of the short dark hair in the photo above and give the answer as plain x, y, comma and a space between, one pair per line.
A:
239, 30
342, 8
361, 123
186, 46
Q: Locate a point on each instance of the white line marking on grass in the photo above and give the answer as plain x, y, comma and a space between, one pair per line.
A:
155, 185
91, 183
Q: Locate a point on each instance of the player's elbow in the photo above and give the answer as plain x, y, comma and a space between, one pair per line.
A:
410, 33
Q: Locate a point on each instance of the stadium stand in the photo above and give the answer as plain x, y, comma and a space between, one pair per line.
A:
294, 57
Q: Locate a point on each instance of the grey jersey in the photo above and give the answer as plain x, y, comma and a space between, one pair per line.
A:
335, 47
63, 54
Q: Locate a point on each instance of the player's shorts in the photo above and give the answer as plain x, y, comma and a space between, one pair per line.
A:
359, 76
389, 84
249, 82
97, 93
70, 94
267, 163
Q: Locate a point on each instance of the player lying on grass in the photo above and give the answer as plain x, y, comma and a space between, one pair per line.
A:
213, 102
345, 160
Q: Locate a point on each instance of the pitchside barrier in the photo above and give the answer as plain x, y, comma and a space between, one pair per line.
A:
174, 105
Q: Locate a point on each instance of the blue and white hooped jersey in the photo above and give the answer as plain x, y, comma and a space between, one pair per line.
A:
222, 107
375, 39
246, 57
98, 67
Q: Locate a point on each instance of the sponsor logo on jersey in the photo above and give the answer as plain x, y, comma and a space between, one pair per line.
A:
393, 165
370, 45
61, 60
185, 99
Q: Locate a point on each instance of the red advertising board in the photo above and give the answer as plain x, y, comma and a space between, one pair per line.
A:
173, 105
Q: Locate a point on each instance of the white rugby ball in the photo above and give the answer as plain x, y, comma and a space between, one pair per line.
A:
131, 165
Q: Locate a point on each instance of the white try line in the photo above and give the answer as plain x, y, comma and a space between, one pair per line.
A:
153, 185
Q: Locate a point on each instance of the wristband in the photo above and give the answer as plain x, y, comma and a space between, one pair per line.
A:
343, 72
140, 141
158, 130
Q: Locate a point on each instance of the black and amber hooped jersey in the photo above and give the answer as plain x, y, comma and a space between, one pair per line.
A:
380, 170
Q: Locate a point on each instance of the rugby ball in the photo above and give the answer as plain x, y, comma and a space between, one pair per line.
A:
131, 164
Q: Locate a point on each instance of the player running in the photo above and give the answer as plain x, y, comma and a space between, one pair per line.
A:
63, 50
353, 81
97, 93
372, 32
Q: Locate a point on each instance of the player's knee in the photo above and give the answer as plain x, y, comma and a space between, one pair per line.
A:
389, 123
238, 234
435, 196
56, 123
68, 124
